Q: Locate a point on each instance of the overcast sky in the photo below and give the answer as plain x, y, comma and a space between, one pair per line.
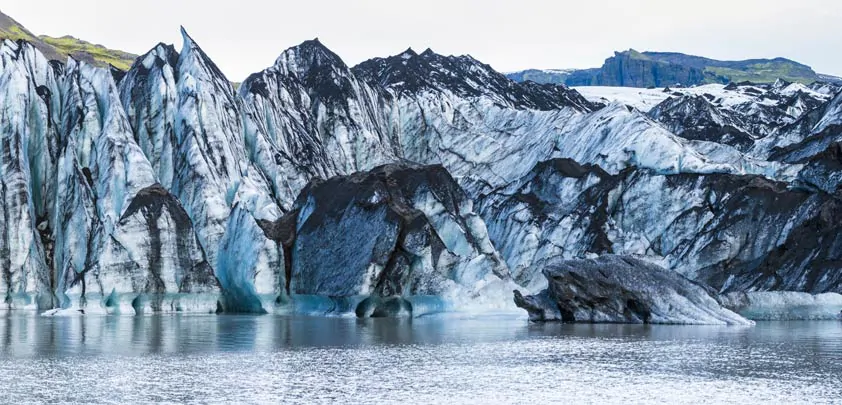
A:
245, 36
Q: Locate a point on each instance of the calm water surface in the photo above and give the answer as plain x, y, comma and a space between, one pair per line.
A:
440, 359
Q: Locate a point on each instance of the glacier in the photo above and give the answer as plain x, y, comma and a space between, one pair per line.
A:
436, 182
735, 233
30, 92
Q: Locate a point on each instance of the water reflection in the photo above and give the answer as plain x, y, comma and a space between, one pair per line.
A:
30, 335
454, 358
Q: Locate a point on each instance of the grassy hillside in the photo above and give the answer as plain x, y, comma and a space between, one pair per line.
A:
753, 70
92, 53
642, 69
60, 48
765, 72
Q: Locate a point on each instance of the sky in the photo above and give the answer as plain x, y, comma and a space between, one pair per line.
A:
245, 36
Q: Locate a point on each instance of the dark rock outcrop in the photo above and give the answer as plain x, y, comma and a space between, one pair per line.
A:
397, 230
634, 69
620, 289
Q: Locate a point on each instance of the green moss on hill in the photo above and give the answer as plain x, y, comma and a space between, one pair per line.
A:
60, 48
767, 72
92, 53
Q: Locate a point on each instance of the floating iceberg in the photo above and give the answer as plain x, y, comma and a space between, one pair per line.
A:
623, 289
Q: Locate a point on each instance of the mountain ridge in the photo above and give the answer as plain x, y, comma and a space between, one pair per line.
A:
631, 68
692, 70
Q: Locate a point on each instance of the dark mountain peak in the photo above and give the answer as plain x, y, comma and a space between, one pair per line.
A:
167, 52
430, 71
310, 66
687, 104
463, 76
427, 68
160, 55
408, 53
165, 48
309, 56
311, 46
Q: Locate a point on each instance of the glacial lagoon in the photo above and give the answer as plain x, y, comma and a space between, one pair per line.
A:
447, 358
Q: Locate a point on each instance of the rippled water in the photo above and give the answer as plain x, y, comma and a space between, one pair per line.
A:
442, 359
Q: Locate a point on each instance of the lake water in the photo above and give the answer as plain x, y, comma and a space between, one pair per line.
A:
437, 359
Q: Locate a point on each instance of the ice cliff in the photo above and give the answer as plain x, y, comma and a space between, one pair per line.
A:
411, 176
